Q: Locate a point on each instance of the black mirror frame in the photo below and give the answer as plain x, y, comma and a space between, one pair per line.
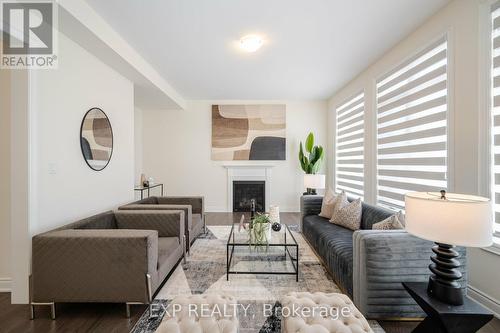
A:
112, 138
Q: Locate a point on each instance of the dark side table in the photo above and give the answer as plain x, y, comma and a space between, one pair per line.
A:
445, 318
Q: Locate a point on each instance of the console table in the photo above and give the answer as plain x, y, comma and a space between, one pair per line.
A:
142, 189
445, 318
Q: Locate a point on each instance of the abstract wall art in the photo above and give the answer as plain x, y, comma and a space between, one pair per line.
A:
248, 132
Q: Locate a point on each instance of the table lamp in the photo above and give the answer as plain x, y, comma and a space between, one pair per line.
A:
449, 220
313, 182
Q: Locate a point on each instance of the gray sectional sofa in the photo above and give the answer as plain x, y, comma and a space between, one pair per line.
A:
369, 265
193, 207
115, 257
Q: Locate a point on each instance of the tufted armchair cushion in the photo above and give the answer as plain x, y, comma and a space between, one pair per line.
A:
342, 316
201, 313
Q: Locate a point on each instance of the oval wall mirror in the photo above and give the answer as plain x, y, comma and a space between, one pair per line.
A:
96, 139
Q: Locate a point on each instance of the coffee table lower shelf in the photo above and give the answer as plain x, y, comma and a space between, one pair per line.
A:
294, 261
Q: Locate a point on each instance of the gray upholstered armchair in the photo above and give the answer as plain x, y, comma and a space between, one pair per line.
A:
193, 207
370, 265
115, 257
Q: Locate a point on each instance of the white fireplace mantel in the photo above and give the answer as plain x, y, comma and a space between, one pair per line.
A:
249, 172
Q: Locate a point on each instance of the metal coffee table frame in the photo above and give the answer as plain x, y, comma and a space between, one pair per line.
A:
231, 244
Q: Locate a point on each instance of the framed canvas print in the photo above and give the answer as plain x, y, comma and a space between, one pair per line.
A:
249, 132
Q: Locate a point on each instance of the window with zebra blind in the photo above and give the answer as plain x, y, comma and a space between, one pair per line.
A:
349, 166
495, 116
412, 113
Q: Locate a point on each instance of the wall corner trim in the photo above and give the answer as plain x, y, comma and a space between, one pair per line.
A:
488, 302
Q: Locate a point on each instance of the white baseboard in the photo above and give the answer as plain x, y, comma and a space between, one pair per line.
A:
216, 209
223, 209
488, 302
289, 209
5, 285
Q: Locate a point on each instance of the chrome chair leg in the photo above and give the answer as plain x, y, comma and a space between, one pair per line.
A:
53, 311
33, 304
184, 248
127, 310
150, 295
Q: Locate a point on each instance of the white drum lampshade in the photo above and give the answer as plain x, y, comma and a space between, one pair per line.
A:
463, 220
314, 181
448, 219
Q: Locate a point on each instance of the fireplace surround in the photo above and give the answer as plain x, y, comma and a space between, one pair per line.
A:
249, 172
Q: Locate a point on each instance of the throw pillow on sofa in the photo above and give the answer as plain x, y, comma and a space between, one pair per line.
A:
401, 218
390, 223
340, 201
349, 216
328, 204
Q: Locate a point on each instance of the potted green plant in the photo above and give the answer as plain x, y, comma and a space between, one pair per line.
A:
260, 230
312, 162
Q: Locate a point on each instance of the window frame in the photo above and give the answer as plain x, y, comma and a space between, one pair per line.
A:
485, 160
450, 65
335, 142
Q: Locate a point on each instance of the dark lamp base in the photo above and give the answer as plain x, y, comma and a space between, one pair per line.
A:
443, 283
447, 294
310, 191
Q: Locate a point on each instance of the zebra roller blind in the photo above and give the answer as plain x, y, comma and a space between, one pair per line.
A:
349, 170
495, 116
412, 127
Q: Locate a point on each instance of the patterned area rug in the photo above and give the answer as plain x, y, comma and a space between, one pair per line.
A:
205, 273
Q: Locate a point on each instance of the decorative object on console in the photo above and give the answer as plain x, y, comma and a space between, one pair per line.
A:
311, 164
96, 139
248, 132
448, 220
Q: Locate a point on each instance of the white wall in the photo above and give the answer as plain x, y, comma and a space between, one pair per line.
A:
66, 188
62, 188
20, 193
138, 145
177, 147
5, 161
460, 19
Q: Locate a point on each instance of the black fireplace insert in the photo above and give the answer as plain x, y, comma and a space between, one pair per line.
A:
245, 191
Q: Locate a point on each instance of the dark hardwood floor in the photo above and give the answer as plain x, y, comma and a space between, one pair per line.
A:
70, 318
111, 317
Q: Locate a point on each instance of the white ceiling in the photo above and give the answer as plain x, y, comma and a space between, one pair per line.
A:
312, 48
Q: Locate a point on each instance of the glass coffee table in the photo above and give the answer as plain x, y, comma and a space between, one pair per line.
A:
280, 256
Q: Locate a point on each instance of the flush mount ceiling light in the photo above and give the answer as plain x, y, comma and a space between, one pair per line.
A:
251, 43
